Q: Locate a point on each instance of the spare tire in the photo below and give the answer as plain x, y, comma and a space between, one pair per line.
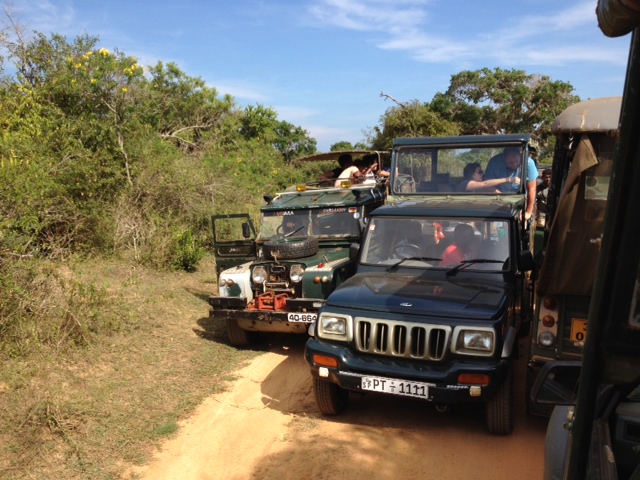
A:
287, 248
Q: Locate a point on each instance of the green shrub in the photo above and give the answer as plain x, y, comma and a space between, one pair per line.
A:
43, 306
187, 251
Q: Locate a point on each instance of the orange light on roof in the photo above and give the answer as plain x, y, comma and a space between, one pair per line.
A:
345, 184
325, 361
473, 379
301, 188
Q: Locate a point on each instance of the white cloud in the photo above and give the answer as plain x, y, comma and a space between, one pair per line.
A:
522, 40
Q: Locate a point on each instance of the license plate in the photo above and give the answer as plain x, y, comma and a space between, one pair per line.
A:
395, 387
302, 317
578, 330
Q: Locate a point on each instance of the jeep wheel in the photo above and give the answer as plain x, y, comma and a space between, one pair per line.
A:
330, 398
499, 410
286, 248
237, 336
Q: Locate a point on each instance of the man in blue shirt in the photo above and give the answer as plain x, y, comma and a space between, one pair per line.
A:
509, 164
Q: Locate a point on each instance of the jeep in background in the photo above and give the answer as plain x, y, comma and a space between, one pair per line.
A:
586, 135
411, 322
278, 280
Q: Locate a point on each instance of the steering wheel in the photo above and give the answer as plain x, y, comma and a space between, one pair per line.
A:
407, 250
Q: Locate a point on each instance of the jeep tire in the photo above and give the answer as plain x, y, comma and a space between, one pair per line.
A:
288, 248
499, 409
237, 336
330, 398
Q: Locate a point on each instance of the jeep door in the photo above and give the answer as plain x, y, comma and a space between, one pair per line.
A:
234, 240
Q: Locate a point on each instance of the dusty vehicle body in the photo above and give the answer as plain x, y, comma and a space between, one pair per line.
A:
583, 161
596, 437
410, 324
300, 255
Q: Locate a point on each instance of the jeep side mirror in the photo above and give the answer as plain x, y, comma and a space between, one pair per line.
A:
246, 231
354, 251
526, 261
557, 383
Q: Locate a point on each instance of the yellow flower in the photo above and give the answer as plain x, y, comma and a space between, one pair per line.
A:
93, 80
104, 52
124, 90
89, 53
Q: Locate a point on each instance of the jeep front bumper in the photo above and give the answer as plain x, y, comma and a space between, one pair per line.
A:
442, 377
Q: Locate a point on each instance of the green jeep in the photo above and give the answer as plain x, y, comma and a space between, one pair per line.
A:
278, 280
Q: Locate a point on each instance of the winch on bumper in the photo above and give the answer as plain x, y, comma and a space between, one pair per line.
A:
271, 317
450, 383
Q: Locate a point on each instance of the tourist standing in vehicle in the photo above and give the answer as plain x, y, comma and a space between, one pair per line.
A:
343, 161
474, 180
351, 172
508, 164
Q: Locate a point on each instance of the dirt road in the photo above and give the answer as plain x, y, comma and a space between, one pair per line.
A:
267, 426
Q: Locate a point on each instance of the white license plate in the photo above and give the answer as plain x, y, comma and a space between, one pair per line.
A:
396, 387
302, 317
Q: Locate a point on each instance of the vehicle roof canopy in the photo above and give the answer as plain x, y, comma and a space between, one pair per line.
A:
596, 115
328, 197
465, 140
333, 156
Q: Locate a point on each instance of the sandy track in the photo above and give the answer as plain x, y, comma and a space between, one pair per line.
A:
267, 426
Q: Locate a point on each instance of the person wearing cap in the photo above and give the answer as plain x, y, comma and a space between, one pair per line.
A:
509, 164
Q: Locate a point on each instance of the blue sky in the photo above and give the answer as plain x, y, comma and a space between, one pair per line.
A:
322, 64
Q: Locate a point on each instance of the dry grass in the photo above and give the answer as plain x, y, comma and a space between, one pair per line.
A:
90, 412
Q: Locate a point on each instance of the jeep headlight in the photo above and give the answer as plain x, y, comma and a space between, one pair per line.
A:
335, 327
474, 342
296, 272
259, 275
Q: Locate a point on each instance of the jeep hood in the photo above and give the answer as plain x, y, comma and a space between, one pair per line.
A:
453, 297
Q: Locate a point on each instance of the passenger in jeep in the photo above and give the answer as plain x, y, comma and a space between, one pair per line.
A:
474, 180
464, 246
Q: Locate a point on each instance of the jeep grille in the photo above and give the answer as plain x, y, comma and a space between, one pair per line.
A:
402, 339
277, 276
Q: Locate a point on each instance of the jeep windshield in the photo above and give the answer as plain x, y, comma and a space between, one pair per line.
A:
453, 244
432, 168
324, 223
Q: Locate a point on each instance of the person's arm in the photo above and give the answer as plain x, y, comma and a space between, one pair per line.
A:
531, 199
532, 187
494, 182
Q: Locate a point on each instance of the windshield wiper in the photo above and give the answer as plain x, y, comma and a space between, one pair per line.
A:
466, 263
422, 259
287, 235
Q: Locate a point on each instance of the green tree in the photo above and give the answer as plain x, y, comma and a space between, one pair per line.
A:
503, 101
412, 119
342, 146
183, 110
261, 123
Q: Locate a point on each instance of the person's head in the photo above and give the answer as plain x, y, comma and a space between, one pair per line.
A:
473, 171
546, 176
512, 157
345, 160
464, 236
